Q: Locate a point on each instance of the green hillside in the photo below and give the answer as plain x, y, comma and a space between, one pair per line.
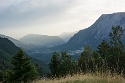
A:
9, 49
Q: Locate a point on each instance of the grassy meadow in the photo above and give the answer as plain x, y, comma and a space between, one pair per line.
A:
86, 78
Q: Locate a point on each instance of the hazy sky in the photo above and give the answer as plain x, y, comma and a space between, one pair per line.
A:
52, 17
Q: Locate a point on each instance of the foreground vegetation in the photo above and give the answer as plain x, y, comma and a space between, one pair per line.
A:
85, 78
23, 70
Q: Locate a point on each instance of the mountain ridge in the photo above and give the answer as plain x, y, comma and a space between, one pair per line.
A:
67, 35
18, 43
94, 34
42, 40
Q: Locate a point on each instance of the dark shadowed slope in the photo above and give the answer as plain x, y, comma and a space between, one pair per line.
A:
9, 49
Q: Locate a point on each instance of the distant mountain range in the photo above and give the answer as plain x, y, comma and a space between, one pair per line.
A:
41, 47
67, 35
91, 36
42, 40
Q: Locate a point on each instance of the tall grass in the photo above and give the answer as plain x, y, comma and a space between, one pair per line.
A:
86, 78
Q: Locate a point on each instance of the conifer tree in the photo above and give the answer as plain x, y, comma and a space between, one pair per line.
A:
103, 49
96, 62
54, 64
1, 75
67, 66
116, 39
23, 69
116, 47
84, 59
61, 66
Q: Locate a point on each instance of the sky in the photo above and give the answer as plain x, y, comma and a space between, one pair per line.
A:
52, 17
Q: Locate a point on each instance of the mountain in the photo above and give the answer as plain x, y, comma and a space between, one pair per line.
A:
67, 35
42, 40
8, 49
91, 36
94, 34
18, 43
30, 49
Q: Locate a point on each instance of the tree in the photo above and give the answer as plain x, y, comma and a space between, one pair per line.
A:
67, 66
90, 61
23, 69
116, 47
122, 64
116, 40
54, 64
83, 60
61, 66
1, 75
103, 49
96, 62
8, 77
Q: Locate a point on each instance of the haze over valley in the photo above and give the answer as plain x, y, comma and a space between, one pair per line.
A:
42, 47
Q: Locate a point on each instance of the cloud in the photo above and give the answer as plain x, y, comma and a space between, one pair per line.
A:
24, 11
53, 16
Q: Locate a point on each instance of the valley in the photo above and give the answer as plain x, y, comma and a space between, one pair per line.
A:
62, 41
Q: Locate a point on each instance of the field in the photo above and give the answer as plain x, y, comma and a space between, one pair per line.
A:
86, 78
